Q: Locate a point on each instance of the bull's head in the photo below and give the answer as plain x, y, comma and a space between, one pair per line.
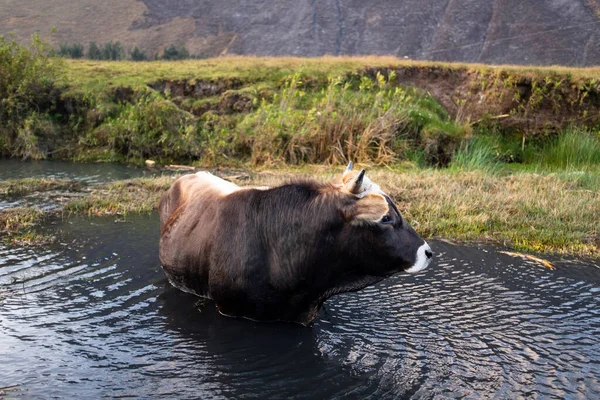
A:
376, 233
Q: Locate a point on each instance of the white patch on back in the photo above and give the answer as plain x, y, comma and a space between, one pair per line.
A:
221, 186
422, 260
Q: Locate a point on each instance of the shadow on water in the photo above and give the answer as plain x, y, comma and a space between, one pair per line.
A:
94, 317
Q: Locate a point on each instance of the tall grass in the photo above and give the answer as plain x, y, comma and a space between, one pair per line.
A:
576, 148
477, 153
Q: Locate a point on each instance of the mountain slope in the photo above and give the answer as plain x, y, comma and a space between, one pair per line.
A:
563, 32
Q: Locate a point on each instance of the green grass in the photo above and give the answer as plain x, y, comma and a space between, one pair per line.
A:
477, 153
575, 148
276, 111
89, 75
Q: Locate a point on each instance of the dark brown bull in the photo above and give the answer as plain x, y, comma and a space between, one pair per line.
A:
279, 253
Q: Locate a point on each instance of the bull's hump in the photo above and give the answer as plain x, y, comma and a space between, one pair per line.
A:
209, 182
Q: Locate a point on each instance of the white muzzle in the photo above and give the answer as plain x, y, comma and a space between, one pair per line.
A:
423, 259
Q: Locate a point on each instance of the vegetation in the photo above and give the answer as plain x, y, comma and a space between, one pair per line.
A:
175, 53
74, 50
27, 78
507, 154
121, 197
21, 187
137, 55
278, 111
114, 51
109, 51
575, 148
94, 52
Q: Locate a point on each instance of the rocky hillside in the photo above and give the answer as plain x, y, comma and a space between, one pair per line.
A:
563, 32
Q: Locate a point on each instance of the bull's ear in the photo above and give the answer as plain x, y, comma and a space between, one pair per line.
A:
347, 172
369, 209
355, 182
349, 167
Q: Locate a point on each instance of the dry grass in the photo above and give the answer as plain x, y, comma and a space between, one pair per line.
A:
527, 211
15, 219
546, 213
524, 210
139, 195
20, 187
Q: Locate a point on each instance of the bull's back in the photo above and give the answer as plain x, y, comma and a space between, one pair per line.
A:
202, 187
188, 212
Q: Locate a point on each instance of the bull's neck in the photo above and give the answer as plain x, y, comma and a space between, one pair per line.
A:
349, 283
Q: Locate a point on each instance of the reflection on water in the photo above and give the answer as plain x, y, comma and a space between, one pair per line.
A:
99, 319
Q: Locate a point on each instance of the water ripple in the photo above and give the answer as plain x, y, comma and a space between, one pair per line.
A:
99, 320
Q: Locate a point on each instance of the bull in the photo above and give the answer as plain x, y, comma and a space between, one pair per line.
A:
278, 253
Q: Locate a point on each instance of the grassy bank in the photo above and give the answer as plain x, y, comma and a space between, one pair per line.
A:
282, 111
535, 212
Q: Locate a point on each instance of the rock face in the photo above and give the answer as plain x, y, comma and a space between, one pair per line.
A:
546, 32
497, 31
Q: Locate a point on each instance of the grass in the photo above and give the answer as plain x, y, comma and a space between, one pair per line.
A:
89, 74
525, 211
575, 148
542, 213
20, 187
276, 111
477, 153
18, 226
139, 195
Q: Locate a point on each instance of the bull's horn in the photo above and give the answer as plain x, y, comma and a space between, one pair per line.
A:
355, 185
349, 167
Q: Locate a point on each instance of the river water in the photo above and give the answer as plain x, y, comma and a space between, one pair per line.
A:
93, 317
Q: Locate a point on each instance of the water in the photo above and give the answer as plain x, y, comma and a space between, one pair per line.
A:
93, 317
85, 172
96, 318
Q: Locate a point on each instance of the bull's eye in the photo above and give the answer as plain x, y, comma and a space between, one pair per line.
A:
386, 219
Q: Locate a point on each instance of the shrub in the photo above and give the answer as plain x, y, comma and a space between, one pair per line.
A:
137, 55
334, 125
94, 52
150, 127
26, 81
175, 53
74, 50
